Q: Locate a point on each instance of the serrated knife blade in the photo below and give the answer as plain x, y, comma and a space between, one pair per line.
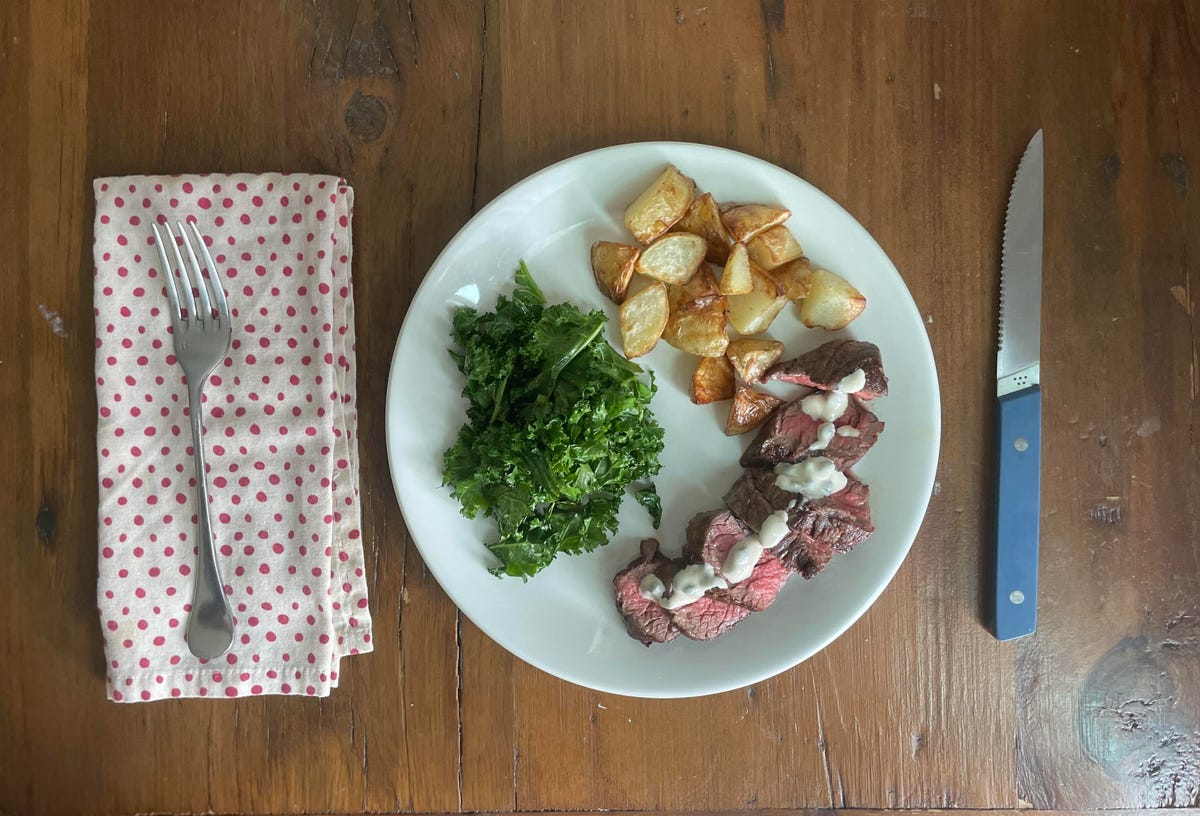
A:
1019, 404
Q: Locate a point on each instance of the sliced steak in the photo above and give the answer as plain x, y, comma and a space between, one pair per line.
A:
710, 537
708, 617
789, 434
836, 523
820, 527
825, 366
644, 618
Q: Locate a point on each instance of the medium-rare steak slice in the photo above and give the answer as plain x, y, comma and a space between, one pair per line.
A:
644, 618
710, 537
825, 366
711, 534
820, 527
788, 436
708, 617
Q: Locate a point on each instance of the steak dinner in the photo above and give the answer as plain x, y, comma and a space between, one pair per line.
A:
826, 366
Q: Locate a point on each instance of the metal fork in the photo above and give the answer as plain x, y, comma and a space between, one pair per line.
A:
202, 330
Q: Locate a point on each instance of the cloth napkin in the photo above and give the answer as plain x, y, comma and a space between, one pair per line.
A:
280, 424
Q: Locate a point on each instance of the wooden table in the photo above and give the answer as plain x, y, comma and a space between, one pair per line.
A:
910, 114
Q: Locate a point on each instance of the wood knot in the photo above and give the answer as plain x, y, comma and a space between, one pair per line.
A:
365, 117
1132, 722
46, 522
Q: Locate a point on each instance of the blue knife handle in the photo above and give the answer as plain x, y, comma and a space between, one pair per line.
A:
1018, 502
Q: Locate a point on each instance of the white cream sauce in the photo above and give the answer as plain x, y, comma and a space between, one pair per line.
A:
813, 478
825, 433
691, 582
745, 554
853, 382
688, 586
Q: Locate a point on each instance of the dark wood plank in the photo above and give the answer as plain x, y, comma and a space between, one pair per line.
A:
1107, 689
386, 96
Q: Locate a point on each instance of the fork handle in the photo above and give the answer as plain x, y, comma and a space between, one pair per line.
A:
210, 624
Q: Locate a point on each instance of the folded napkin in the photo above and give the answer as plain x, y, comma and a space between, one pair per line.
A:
280, 426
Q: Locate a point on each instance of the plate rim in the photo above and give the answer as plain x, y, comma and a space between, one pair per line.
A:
868, 600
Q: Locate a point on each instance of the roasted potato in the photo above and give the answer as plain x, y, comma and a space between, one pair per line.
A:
701, 333
713, 380
750, 409
774, 247
754, 311
699, 294
745, 221
673, 258
751, 357
660, 205
697, 321
613, 266
643, 317
736, 278
795, 277
831, 302
704, 219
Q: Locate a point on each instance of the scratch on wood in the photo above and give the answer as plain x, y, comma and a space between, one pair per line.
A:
479, 118
1106, 512
822, 745
772, 14
458, 699
403, 675
413, 35
54, 319
1181, 297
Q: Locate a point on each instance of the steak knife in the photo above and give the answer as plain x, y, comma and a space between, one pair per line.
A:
1019, 404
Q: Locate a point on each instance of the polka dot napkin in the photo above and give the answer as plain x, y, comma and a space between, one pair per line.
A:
279, 419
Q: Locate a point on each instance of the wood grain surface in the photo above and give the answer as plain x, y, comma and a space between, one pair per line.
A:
910, 114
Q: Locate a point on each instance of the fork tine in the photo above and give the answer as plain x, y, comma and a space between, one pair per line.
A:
184, 280
206, 311
218, 285
169, 274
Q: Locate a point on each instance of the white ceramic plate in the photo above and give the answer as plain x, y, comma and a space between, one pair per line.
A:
564, 620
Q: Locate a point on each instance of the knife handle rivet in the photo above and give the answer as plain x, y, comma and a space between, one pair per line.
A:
1021, 444
1017, 596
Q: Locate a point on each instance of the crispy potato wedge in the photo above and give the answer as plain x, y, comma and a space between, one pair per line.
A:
613, 266
713, 380
750, 409
774, 247
754, 311
643, 317
736, 278
831, 303
700, 294
751, 357
660, 205
697, 321
746, 221
702, 333
673, 258
795, 277
704, 219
